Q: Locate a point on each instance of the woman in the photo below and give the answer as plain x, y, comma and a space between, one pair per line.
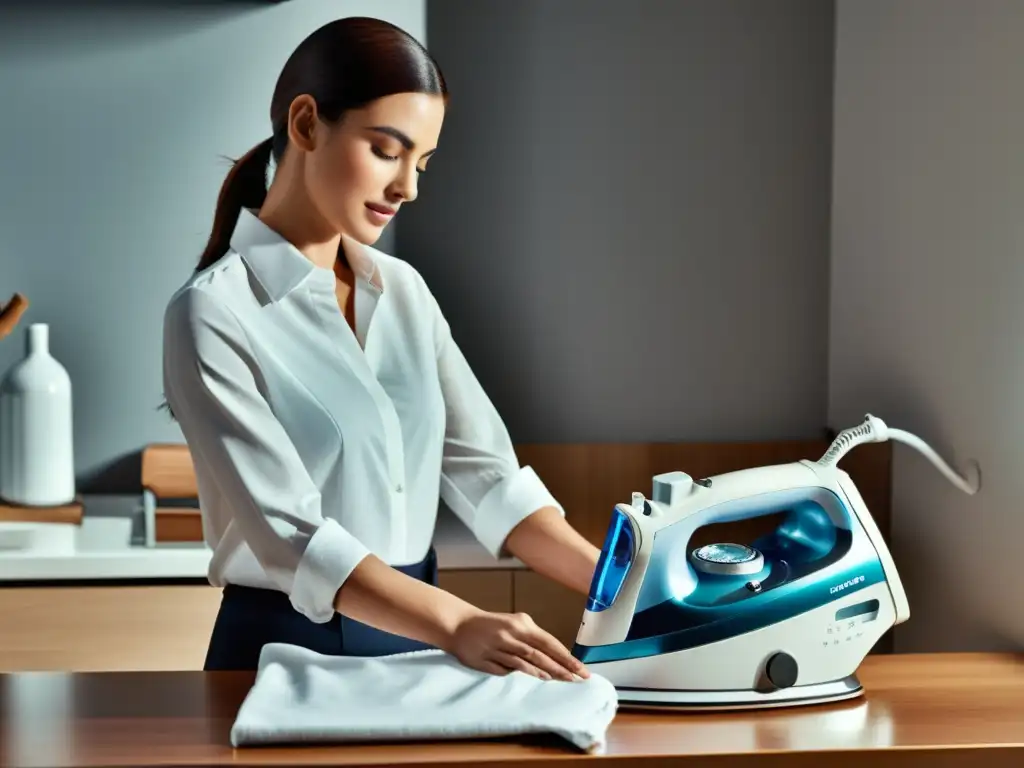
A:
322, 397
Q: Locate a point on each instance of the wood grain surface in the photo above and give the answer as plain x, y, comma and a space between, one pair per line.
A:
62, 513
589, 479
944, 710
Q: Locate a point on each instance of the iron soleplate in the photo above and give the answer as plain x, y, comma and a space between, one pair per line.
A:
720, 701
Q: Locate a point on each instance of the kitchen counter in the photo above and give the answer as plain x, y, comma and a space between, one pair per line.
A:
940, 710
178, 563
184, 563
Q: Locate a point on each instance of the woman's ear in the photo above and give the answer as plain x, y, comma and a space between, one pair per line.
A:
304, 128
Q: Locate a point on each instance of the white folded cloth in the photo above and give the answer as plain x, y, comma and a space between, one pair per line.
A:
300, 696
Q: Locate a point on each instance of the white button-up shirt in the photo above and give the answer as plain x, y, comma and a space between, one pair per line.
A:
314, 445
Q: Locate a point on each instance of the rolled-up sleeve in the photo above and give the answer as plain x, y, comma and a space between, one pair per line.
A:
211, 384
481, 479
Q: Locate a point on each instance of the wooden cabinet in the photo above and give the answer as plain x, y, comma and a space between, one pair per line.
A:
556, 608
487, 588
105, 627
167, 627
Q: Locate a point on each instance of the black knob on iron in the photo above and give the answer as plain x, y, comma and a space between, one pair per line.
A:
781, 670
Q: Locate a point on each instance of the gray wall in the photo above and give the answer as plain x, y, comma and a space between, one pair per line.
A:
926, 278
627, 220
117, 116
629, 208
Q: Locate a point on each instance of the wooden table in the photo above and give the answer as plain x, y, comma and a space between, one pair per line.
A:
939, 710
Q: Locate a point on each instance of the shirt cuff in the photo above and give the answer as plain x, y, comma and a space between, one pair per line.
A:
330, 557
507, 504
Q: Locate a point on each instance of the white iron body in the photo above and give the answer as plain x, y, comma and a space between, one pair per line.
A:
745, 628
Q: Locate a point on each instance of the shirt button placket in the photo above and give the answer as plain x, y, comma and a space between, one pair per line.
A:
396, 461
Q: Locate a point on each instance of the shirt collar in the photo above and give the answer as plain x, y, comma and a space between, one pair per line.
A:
280, 267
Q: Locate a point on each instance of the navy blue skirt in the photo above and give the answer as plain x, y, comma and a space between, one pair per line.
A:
250, 617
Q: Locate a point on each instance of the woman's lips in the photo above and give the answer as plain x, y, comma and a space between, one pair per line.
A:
380, 214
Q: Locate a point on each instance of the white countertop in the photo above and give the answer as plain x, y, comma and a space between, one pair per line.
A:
99, 549
126, 563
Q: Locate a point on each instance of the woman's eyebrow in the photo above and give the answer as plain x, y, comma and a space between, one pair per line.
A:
397, 134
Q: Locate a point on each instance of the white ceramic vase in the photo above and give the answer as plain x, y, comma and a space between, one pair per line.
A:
37, 466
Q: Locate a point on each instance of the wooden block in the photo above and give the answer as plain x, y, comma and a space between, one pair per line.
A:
178, 525
168, 472
65, 513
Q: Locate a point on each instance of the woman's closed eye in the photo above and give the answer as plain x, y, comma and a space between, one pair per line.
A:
382, 154
385, 156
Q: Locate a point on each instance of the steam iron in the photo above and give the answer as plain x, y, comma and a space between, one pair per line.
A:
784, 621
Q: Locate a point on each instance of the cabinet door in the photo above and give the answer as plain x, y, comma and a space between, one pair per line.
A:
486, 588
131, 627
106, 628
556, 608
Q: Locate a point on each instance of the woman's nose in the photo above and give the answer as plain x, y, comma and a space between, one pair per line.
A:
405, 186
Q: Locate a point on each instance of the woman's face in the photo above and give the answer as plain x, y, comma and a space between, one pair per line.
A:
367, 165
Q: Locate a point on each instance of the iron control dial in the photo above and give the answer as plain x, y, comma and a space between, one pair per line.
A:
781, 670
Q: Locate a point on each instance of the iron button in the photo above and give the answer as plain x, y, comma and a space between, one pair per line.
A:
781, 670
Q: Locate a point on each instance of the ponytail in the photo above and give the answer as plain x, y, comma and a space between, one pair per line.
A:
244, 187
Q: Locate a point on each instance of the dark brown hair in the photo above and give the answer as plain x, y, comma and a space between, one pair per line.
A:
343, 65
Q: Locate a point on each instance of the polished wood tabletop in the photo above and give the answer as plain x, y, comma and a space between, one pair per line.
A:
934, 710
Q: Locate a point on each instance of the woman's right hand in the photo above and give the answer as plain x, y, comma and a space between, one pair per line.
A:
502, 642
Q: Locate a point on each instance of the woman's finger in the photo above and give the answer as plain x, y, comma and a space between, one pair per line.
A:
493, 668
535, 657
550, 646
516, 662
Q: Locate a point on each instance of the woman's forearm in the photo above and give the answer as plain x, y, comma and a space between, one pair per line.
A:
382, 597
548, 545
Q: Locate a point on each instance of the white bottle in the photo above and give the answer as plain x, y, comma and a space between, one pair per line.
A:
37, 465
